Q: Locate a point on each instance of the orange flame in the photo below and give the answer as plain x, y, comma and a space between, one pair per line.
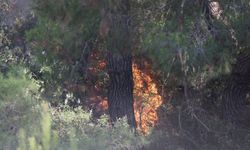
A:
147, 99
146, 95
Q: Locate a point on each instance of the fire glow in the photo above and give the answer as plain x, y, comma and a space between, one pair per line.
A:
147, 99
146, 96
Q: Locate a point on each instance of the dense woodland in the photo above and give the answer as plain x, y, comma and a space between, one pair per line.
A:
124, 74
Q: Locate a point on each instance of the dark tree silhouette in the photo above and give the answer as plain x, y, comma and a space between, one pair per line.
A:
120, 92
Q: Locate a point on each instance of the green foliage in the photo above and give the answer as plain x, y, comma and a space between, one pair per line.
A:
47, 137
15, 82
22, 136
18, 105
238, 17
66, 118
177, 51
40, 127
181, 45
62, 39
7, 56
85, 134
93, 134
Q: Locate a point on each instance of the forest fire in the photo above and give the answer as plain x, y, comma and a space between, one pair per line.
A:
146, 96
147, 99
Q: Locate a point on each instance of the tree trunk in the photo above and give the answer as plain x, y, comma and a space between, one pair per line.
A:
120, 92
234, 98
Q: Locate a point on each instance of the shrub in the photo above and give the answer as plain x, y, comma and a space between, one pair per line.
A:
26, 124
68, 128
18, 106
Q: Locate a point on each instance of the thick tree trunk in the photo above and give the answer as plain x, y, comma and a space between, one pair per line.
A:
235, 94
120, 94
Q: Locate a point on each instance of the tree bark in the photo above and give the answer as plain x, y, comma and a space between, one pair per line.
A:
234, 98
120, 92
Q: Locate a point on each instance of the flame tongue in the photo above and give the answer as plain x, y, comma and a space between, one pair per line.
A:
147, 99
146, 96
